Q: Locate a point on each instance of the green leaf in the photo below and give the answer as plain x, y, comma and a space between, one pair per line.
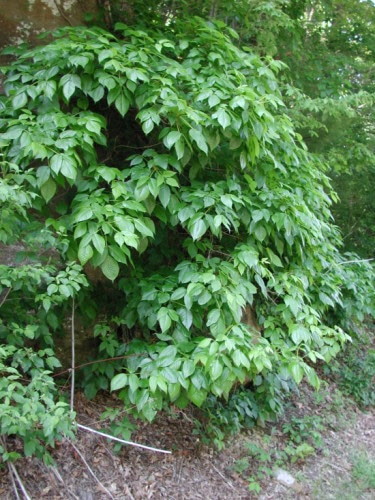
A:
84, 213
274, 258
299, 334
196, 396
19, 100
169, 374
171, 138
188, 368
326, 299
122, 104
65, 164
213, 100
213, 317
148, 126
186, 318
180, 148
93, 126
85, 252
296, 371
293, 304
164, 319
118, 254
69, 83
48, 190
260, 233
119, 381
98, 242
134, 382
197, 228
143, 228
164, 195
198, 138
222, 117
169, 352
110, 268
174, 391
215, 369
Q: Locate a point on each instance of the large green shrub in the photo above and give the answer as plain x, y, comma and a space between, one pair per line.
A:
164, 163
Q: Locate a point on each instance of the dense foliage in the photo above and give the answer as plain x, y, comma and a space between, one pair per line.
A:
163, 161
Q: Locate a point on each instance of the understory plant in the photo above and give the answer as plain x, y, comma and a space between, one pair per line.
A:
161, 161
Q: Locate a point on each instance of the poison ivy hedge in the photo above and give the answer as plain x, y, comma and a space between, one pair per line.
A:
163, 162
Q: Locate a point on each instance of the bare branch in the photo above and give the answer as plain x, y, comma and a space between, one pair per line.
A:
99, 361
4, 296
356, 261
131, 443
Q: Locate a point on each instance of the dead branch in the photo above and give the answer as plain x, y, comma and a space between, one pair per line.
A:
4, 296
62, 13
223, 477
68, 370
113, 438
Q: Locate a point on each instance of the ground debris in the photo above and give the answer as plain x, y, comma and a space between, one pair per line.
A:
193, 471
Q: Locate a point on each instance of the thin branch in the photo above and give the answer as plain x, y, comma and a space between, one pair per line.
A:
222, 476
106, 6
57, 474
131, 443
4, 298
23, 489
335, 467
73, 361
90, 470
62, 13
98, 361
355, 261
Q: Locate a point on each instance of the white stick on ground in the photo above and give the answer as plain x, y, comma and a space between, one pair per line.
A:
222, 475
131, 443
23, 489
13, 483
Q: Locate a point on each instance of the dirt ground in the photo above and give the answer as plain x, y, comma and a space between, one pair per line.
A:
196, 471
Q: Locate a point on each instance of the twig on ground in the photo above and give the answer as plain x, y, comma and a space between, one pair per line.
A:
15, 474
13, 483
222, 476
57, 475
335, 467
73, 361
113, 438
90, 470
21, 485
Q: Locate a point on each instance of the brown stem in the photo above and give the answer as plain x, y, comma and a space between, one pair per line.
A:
98, 361
4, 298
